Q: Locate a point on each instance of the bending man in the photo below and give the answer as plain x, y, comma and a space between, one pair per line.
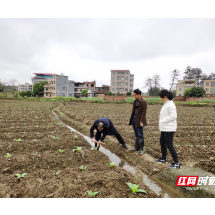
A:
105, 126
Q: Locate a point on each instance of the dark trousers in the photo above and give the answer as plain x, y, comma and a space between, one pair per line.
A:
137, 131
116, 133
166, 141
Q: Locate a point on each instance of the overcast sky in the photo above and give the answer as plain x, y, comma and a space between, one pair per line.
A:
87, 49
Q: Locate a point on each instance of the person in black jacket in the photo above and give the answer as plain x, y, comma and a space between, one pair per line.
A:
105, 126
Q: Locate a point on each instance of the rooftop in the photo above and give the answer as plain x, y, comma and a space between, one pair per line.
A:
44, 74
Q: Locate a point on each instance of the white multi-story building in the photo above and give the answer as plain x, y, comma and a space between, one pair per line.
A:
25, 87
122, 81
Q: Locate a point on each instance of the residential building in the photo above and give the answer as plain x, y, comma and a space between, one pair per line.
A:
40, 77
59, 86
79, 86
182, 85
25, 87
91, 86
209, 87
122, 81
102, 90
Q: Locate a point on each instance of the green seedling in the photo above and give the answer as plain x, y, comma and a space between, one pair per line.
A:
77, 149
61, 151
23, 132
71, 131
134, 188
132, 131
55, 138
44, 120
92, 194
49, 126
35, 153
204, 146
17, 140
95, 148
8, 155
56, 173
34, 140
37, 126
83, 168
76, 137
36, 117
7, 133
37, 132
59, 123
11, 127
112, 164
21, 175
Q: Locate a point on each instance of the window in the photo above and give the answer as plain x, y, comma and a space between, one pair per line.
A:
126, 83
54, 82
212, 90
131, 80
207, 83
212, 84
92, 85
54, 88
207, 89
187, 88
46, 94
76, 90
180, 89
113, 73
120, 89
113, 89
113, 83
104, 89
120, 78
113, 78
126, 78
126, 89
120, 83
126, 72
179, 94
63, 88
46, 89
131, 85
120, 73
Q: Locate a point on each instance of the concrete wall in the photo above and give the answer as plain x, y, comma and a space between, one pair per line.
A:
192, 99
118, 98
61, 86
71, 89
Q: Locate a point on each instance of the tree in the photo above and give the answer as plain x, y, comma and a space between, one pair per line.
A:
39, 87
187, 92
128, 93
84, 92
194, 92
28, 93
156, 80
148, 84
188, 73
197, 92
22, 93
197, 72
174, 77
154, 91
118, 94
110, 93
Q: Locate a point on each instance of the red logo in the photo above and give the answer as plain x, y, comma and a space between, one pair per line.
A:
186, 181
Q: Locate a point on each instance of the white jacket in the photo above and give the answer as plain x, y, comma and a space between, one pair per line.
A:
168, 117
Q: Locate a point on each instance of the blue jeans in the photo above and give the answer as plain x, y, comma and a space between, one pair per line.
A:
137, 131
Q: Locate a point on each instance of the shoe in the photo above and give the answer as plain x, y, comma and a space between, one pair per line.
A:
124, 146
161, 160
175, 165
137, 146
141, 146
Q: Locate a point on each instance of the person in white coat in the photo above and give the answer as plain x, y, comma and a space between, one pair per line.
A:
168, 126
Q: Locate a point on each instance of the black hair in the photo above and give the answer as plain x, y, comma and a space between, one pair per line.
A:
101, 125
166, 93
137, 91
